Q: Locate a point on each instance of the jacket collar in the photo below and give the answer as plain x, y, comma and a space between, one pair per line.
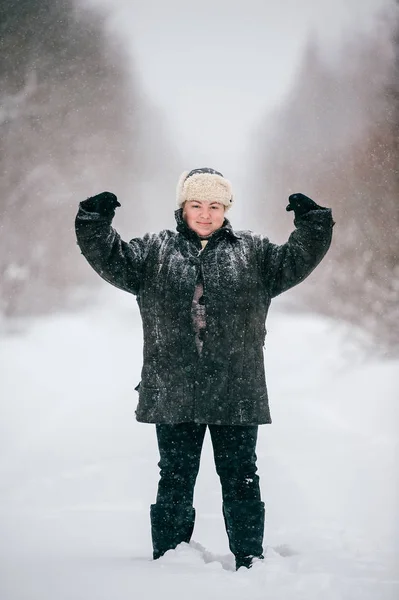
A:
182, 227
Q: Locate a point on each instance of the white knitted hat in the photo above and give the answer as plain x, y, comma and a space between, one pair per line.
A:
204, 184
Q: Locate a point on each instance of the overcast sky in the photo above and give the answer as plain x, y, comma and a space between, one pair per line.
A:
216, 67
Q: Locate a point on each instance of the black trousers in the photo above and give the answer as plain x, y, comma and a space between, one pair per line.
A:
235, 460
173, 514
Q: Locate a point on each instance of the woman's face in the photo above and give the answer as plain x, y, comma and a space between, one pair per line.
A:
203, 217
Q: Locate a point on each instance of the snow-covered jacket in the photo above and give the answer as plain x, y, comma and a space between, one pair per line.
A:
241, 273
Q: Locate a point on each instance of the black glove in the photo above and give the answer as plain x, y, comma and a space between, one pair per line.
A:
104, 204
301, 204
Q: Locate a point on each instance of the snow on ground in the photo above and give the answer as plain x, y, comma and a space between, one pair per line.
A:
78, 473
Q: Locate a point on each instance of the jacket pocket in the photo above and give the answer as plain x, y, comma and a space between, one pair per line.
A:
150, 407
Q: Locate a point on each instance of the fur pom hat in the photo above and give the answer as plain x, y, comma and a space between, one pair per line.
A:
204, 184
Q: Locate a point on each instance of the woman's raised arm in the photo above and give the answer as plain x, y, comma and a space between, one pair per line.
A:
119, 263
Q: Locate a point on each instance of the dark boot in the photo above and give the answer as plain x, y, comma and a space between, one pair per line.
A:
245, 523
171, 524
246, 561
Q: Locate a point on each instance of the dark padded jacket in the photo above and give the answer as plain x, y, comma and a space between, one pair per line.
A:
241, 272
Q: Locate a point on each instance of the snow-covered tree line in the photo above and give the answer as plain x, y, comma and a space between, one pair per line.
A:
336, 138
73, 122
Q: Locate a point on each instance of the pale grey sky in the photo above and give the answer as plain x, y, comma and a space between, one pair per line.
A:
216, 67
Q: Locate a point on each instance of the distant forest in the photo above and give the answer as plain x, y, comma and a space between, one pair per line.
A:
336, 139
73, 122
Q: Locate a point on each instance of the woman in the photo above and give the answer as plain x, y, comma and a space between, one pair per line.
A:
204, 292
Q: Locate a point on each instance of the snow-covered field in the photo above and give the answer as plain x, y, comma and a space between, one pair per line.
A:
78, 473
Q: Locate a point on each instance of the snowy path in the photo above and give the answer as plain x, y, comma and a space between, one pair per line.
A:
78, 472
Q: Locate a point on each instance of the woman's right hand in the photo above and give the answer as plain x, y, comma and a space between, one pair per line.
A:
104, 204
